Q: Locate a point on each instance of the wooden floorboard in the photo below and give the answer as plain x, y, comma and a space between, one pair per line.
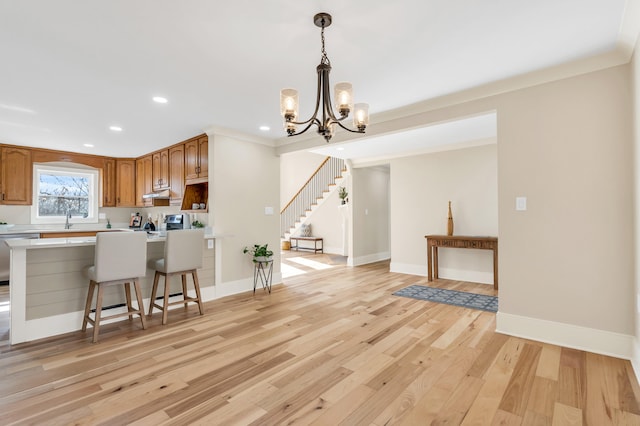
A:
331, 346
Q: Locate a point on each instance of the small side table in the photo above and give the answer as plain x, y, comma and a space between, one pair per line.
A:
262, 273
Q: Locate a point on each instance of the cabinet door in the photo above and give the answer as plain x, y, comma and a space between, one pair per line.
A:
109, 183
17, 176
203, 157
125, 183
160, 170
191, 159
176, 174
144, 180
140, 182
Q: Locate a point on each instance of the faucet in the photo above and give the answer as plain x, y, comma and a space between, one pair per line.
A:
67, 225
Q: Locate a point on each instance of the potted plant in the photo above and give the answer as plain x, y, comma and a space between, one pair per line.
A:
260, 253
342, 193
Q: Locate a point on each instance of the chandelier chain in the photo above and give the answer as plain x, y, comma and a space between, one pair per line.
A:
325, 58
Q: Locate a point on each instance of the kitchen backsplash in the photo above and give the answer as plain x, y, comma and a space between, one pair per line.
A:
118, 216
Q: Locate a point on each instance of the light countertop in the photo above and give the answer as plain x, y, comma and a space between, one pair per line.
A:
79, 241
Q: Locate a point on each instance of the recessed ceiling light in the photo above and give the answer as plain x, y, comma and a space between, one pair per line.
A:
115, 128
265, 128
340, 148
88, 145
160, 99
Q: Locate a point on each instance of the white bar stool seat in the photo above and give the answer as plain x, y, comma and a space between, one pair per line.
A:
182, 256
120, 258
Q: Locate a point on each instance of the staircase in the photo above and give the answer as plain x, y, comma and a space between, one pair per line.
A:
312, 194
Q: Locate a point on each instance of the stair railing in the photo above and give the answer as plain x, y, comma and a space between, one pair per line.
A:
308, 195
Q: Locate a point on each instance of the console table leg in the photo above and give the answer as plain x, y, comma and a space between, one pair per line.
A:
435, 262
429, 263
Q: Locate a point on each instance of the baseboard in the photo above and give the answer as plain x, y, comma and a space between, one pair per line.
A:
230, 288
635, 359
408, 268
445, 273
370, 258
572, 336
333, 250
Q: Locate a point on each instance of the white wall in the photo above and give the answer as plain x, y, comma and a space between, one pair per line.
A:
421, 187
369, 215
244, 180
326, 222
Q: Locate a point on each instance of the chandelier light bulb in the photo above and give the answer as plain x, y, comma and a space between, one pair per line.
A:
361, 116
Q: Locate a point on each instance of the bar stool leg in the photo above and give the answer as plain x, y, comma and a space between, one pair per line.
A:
183, 276
153, 292
87, 307
127, 295
196, 285
165, 305
96, 321
136, 286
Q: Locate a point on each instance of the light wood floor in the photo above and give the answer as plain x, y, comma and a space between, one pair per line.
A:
329, 347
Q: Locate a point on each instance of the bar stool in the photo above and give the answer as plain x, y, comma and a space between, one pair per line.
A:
120, 258
182, 256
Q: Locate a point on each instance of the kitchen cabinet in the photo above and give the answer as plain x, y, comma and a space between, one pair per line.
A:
196, 159
144, 180
125, 183
160, 169
176, 174
109, 183
16, 177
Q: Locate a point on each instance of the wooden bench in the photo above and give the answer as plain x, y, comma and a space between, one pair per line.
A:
315, 247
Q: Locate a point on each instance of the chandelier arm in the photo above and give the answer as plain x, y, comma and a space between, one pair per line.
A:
311, 122
348, 129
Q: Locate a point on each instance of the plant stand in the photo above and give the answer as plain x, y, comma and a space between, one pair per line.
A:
263, 273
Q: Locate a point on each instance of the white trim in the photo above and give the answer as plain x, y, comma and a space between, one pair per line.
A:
444, 273
408, 268
463, 275
230, 288
370, 258
568, 335
635, 357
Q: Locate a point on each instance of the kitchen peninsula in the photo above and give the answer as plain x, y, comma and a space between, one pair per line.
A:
48, 289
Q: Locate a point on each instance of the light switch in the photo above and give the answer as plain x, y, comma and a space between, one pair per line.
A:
521, 203
268, 211
209, 244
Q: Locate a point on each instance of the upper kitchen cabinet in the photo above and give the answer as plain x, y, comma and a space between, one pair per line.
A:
160, 167
16, 176
196, 159
109, 183
144, 180
176, 174
125, 183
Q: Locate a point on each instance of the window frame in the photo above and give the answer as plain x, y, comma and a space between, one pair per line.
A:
70, 169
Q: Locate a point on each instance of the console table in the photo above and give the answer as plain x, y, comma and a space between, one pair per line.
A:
482, 243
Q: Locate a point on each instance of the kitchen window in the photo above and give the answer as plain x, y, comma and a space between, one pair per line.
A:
62, 190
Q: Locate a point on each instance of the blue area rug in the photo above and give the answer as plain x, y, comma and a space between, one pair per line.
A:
450, 297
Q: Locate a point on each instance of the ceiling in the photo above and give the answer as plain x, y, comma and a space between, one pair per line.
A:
73, 68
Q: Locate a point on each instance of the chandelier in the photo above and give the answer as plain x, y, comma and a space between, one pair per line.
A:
343, 94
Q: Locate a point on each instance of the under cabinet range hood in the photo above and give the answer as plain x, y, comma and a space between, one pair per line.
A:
163, 194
